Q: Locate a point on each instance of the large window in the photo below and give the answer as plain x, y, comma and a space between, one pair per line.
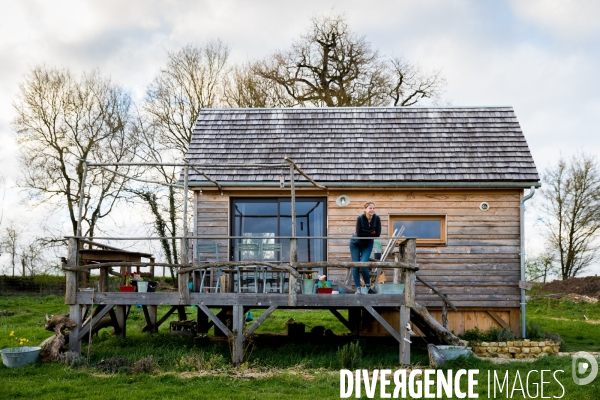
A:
271, 217
428, 229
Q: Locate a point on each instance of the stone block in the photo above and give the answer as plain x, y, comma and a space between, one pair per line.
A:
493, 344
526, 344
485, 344
547, 349
522, 356
502, 350
502, 344
526, 350
492, 349
536, 350
510, 344
555, 349
514, 350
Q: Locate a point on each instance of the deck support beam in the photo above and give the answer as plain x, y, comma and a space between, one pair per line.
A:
237, 335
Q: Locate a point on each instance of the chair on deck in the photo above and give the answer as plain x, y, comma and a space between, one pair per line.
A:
213, 274
247, 252
273, 253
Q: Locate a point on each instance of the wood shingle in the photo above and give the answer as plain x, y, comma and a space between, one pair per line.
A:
376, 145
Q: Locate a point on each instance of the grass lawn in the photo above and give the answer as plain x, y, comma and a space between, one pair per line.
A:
182, 367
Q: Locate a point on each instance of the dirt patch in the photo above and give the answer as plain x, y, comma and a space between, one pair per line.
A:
587, 286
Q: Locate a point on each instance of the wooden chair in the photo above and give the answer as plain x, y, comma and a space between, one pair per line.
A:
211, 252
247, 252
273, 253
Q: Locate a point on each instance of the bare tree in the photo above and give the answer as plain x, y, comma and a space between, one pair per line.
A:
190, 81
245, 88
334, 67
572, 209
9, 242
62, 121
541, 266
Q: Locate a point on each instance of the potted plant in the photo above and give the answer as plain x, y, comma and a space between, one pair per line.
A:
19, 356
324, 286
128, 287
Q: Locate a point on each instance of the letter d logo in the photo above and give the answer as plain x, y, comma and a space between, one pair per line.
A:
581, 367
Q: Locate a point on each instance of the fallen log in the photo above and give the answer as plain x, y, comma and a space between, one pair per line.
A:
434, 331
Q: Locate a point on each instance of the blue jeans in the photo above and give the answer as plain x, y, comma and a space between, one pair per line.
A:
359, 254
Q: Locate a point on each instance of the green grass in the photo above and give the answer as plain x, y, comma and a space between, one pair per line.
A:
188, 368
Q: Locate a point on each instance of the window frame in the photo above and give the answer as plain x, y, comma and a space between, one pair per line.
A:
443, 218
278, 200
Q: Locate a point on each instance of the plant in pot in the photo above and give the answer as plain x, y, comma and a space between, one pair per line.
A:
324, 286
128, 287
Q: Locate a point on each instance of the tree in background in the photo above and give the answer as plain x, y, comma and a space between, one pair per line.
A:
541, 266
332, 66
191, 80
243, 87
572, 208
62, 121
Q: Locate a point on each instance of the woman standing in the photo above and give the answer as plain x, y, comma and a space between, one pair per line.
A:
368, 225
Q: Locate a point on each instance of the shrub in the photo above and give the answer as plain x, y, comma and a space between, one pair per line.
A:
145, 365
492, 335
349, 355
534, 330
200, 362
114, 365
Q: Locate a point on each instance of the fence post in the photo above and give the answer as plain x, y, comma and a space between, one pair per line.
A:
71, 276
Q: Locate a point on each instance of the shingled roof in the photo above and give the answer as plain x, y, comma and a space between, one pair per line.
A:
365, 146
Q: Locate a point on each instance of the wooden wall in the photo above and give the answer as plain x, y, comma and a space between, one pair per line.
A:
478, 267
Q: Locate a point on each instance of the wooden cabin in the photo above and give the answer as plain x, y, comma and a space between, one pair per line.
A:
453, 177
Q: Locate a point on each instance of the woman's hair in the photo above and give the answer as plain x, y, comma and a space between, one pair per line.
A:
367, 204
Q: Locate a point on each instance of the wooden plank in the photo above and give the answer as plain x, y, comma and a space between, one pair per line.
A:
384, 323
97, 317
237, 352
215, 320
259, 321
498, 319
341, 318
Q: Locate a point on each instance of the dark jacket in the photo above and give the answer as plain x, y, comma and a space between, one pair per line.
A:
366, 229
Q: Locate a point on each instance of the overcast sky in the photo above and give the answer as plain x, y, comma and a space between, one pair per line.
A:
540, 56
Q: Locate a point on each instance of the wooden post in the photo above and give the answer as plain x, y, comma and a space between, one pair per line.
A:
292, 296
184, 289
75, 315
71, 276
238, 335
121, 314
405, 335
410, 255
445, 315
409, 288
152, 313
184, 241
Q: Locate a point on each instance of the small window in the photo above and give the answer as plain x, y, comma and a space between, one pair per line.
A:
428, 229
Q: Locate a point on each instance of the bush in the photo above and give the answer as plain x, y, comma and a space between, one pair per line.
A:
493, 335
145, 365
349, 355
115, 364
534, 330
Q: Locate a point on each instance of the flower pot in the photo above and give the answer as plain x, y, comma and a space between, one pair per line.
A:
142, 286
19, 356
152, 285
452, 352
308, 286
127, 288
323, 290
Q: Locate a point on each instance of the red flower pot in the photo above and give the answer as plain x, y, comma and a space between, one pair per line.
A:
127, 288
324, 290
